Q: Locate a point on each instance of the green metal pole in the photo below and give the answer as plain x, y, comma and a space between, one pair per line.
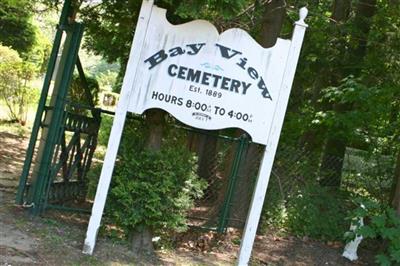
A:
231, 186
68, 60
42, 102
88, 94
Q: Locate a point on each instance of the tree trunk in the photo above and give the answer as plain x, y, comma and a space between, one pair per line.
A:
141, 240
310, 140
341, 10
155, 124
274, 14
205, 146
272, 22
366, 9
191, 141
335, 148
207, 165
141, 237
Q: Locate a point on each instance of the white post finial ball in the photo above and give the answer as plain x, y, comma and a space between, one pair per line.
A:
303, 13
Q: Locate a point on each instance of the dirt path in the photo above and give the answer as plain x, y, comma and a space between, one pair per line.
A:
56, 238
12, 155
16, 247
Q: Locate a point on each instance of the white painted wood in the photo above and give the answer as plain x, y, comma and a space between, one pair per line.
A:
350, 250
160, 50
156, 87
272, 144
116, 131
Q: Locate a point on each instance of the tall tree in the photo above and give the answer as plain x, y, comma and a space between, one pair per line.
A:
110, 24
335, 147
272, 22
16, 28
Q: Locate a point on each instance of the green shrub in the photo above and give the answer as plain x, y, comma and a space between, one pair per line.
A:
105, 129
15, 91
274, 215
381, 223
318, 213
152, 189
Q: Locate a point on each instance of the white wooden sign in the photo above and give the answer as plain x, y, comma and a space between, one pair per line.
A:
206, 79
209, 81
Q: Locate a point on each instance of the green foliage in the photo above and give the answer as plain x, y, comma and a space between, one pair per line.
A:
9, 56
40, 52
339, 92
21, 32
14, 84
78, 95
209, 9
318, 213
331, 70
105, 129
310, 210
97, 66
109, 28
16, 29
383, 223
107, 79
274, 214
152, 189
109, 25
369, 174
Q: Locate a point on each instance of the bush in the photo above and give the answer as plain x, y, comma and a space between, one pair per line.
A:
152, 189
318, 213
14, 89
274, 215
105, 129
381, 223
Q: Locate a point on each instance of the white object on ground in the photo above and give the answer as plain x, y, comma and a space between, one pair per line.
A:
350, 250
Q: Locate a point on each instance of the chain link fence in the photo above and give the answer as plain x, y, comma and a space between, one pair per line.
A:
221, 161
361, 172
229, 162
230, 165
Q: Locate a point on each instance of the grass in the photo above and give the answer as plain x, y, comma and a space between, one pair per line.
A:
14, 128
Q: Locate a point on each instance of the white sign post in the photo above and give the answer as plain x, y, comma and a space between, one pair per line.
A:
272, 143
209, 81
